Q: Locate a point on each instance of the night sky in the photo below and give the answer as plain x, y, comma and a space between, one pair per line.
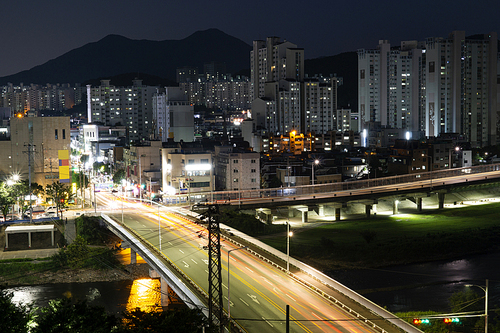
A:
35, 31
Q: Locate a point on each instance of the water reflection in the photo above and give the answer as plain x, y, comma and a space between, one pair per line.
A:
115, 296
145, 294
426, 286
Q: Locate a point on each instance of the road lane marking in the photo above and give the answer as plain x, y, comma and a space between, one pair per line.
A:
254, 298
224, 285
181, 251
249, 269
267, 322
313, 305
206, 271
169, 243
244, 302
205, 261
194, 261
185, 264
266, 280
291, 298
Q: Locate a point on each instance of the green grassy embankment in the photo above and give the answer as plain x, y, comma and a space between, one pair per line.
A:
405, 238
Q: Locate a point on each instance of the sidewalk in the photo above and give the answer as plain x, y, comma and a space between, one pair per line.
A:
70, 230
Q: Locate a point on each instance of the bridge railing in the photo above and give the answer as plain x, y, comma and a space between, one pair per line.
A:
236, 196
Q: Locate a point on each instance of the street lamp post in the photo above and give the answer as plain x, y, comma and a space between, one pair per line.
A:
312, 177
228, 275
288, 235
159, 227
485, 289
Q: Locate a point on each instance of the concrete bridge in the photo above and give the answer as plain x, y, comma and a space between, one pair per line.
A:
190, 287
333, 198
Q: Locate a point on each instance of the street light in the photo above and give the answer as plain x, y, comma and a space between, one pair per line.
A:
159, 227
288, 235
485, 289
228, 275
316, 162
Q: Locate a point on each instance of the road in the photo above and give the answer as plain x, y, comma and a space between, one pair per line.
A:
259, 292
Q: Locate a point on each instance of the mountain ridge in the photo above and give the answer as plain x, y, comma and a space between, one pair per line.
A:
115, 54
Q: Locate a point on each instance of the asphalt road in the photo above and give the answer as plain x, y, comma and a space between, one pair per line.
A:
259, 292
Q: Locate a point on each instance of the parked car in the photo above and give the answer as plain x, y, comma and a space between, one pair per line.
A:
51, 209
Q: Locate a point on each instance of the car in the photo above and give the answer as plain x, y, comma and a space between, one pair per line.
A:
51, 209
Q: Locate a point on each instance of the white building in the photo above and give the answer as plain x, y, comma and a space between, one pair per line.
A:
187, 173
173, 115
390, 85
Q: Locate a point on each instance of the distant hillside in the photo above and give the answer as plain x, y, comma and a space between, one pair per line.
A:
344, 65
114, 55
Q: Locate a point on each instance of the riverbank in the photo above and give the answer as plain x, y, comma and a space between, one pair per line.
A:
395, 240
32, 272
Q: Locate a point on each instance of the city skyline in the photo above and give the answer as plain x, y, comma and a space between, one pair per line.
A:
49, 29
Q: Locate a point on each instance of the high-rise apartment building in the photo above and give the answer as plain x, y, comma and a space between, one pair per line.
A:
320, 105
273, 60
283, 99
461, 86
129, 106
390, 85
441, 85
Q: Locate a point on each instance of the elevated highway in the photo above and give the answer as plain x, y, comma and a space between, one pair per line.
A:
260, 287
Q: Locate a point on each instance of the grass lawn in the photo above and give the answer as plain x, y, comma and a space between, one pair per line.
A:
402, 238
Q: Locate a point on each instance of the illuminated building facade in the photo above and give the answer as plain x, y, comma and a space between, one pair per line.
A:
440, 85
129, 106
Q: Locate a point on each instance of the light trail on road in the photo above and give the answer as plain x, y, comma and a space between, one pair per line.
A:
259, 291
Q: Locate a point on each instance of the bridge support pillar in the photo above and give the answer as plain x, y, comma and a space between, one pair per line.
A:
441, 200
133, 257
395, 209
305, 215
165, 299
290, 212
419, 204
321, 210
368, 209
337, 213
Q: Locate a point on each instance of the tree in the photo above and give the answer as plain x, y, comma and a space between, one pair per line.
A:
118, 176
81, 179
21, 190
6, 199
60, 194
64, 315
178, 321
15, 317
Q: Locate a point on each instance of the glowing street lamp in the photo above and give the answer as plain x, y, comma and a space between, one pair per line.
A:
316, 162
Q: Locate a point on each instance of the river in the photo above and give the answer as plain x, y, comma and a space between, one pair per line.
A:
115, 297
426, 286
414, 287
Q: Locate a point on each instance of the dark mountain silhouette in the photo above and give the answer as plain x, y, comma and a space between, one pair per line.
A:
114, 55
344, 65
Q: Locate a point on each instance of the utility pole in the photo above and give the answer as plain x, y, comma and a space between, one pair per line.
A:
30, 152
215, 305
